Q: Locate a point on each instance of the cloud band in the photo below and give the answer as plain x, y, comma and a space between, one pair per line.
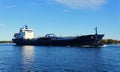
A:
82, 3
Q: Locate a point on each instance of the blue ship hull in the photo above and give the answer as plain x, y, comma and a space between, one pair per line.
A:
85, 40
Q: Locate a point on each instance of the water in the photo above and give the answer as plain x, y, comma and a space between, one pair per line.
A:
59, 59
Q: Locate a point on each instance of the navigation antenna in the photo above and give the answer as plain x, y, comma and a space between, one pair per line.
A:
26, 27
96, 30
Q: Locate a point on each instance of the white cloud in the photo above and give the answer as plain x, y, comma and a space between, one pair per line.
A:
1, 25
82, 3
65, 10
10, 6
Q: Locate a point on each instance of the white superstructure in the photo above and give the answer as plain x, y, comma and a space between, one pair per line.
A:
24, 33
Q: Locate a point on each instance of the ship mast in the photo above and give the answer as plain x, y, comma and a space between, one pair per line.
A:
26, 27
96, 31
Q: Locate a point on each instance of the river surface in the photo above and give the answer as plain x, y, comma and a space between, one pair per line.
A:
59, 59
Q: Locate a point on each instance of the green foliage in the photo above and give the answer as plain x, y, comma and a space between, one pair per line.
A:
104, 41
110, 41
5, 41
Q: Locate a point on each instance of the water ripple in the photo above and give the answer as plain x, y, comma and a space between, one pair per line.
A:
59, 59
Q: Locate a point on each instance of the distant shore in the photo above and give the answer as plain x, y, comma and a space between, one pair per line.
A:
6, 41
104, 41
110, 41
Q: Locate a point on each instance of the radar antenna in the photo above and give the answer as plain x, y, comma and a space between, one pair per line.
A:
26, 27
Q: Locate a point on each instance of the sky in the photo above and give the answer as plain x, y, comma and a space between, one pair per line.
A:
61, 17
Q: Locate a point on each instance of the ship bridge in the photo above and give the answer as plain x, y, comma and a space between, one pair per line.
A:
24, 33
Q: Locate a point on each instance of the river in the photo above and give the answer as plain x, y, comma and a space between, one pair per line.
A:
15, 58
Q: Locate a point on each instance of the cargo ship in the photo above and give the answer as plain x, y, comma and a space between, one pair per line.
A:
26, 37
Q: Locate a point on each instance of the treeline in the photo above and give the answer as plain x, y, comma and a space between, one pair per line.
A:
110, 41
104, 41
6, 42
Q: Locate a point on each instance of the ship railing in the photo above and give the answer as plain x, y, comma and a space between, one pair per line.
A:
50, 35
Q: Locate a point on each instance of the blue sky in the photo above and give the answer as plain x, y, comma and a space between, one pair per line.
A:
62, 17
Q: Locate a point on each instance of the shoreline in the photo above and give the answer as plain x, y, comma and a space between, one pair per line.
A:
104, 41
5, 41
